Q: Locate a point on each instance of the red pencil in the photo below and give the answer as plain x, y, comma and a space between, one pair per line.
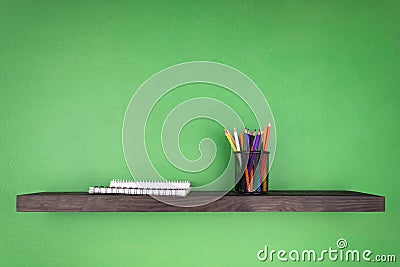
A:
267, 138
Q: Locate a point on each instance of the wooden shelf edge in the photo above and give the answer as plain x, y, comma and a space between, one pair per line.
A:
274, 201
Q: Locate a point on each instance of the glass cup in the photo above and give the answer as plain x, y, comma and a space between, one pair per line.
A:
251, 171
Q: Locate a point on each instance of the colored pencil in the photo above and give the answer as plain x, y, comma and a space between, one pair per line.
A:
230, 140
267, 138
265, 148
236, 140
256, 141
241, 141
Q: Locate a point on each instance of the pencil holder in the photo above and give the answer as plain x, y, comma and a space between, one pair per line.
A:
251, 171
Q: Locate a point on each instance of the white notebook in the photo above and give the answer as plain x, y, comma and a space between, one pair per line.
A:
157, 188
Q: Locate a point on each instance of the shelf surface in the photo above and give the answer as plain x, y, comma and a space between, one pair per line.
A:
281, 201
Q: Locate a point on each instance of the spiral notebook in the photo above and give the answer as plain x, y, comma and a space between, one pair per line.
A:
157, 188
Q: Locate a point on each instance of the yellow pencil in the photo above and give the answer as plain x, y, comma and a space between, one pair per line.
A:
230, 140
230, 137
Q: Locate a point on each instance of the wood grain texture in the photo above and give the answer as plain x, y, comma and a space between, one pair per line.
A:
281, 201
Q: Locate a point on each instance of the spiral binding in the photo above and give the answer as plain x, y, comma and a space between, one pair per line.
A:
157, 188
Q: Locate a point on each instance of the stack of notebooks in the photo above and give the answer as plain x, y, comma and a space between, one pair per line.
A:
156, 188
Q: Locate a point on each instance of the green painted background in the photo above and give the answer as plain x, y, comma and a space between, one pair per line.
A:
329, 69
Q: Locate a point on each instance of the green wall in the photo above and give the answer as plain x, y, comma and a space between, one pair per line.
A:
329, 69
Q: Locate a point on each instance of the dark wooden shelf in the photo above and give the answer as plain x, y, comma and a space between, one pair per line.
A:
303, 201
